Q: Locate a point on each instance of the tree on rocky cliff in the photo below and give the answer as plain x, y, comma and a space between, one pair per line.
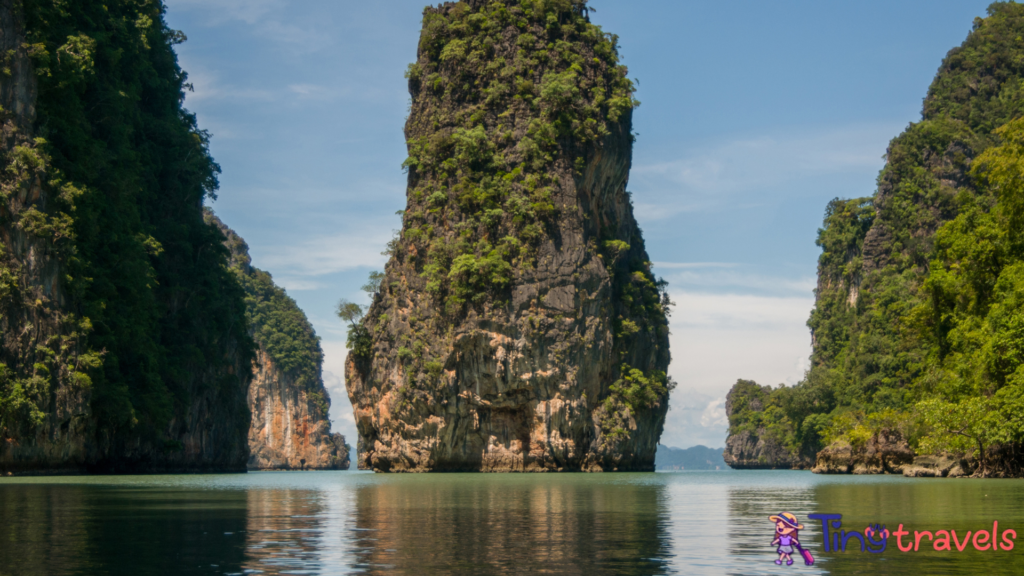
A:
349, 312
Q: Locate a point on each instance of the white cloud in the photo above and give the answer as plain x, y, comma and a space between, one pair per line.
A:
684, 425
698, 311
317, 92
206, 85
265, 16
718, 279
306, 89
722, 175
719, 338
742, 163
302, 38
220, 11
729, 322
358, 248
290, 283
342, 417
714, 415
692, 265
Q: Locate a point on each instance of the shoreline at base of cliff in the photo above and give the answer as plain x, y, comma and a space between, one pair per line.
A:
88, 472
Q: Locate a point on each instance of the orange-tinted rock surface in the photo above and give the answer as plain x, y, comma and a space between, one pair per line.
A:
290, 427
289, 430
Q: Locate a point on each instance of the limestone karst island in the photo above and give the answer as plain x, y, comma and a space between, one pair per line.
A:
137, 336
322, 287
918, 354
518, 325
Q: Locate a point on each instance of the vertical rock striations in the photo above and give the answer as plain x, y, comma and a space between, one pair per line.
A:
518, 326
124, 345
290, 428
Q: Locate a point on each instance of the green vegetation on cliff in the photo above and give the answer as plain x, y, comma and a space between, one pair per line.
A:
917, 323
153, 316
973, 319
483, 154
510, 97
519, 283
280, 327
275, 321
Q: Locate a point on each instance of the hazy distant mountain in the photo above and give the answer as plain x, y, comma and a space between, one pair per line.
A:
694, 458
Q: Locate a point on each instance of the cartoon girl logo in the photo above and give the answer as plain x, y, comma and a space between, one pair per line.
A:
787, 533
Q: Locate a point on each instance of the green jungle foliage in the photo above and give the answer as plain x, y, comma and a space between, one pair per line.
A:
275, 321
917, 324
635, 392
280, 327
509, 100
973, 318
159, 314
559, 81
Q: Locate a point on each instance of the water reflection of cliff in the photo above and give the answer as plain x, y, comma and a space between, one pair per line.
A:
284, 530
35, 540
925, 505
510, 525
56, 529
750, 532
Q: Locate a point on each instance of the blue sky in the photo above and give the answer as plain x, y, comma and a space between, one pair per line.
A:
754, 115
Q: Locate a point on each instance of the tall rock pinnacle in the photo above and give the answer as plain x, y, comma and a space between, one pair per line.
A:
518, 326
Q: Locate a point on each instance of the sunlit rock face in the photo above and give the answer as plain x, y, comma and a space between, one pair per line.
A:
518, 326
290, 428
885, 452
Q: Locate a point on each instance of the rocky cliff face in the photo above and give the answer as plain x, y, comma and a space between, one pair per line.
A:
518, 326
885, 452
123, 346
290, 427
32, 295
757, 450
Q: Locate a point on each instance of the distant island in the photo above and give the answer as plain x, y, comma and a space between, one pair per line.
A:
693, 458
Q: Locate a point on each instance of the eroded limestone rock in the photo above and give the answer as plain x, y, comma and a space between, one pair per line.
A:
289, 428
289, 403
886, 452
518, 326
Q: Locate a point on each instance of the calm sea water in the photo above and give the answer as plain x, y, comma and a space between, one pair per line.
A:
361, 523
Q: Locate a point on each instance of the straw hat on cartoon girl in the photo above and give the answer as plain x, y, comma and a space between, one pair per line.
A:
787, 519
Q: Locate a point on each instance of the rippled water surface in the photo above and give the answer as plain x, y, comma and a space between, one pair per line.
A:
361, 523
